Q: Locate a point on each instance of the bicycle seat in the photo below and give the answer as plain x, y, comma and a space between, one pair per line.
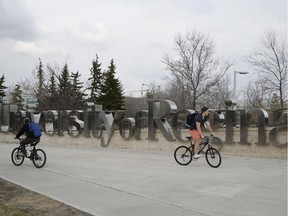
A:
189, 137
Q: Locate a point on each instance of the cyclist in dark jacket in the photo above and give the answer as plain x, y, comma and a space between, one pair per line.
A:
29, 136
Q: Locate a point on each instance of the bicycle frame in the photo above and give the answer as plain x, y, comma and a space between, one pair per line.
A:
32, 151
204, 143
37, 155
184, 154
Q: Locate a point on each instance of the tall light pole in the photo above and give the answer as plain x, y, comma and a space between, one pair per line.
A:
149, 91
235, 83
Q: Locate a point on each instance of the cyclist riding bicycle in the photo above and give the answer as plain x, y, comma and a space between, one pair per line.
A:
195, 128
29, 136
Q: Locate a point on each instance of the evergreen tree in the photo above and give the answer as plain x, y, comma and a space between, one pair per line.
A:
52, 85
53, 94
64, 101
77, 94
16, 97
40, 95
40, 76
2, 88
112, 97
95, 81
64, 80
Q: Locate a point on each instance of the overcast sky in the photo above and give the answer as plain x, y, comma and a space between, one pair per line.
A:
135, 33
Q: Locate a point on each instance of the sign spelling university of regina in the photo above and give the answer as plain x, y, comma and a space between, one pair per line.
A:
161, 115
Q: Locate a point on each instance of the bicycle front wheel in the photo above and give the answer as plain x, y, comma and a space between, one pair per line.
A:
16, 157
39, 158
183, 155
213, 157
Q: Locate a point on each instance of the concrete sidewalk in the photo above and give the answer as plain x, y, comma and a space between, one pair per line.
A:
110, 182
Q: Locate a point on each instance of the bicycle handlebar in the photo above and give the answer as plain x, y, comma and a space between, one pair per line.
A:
20, 139
209, 137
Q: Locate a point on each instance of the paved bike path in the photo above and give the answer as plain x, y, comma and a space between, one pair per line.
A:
108, 182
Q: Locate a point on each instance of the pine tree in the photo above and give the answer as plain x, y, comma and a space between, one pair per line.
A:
52, 84
2, 88
95, 81
77, 94
53, 94
16, 97
64, 89
40, 76
40, 95
64, 82
112, 91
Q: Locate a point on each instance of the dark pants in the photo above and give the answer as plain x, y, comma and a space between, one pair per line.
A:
28, 141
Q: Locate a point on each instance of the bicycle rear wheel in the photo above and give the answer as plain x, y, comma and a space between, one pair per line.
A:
39, 158
183, 155
213, 157
16, 157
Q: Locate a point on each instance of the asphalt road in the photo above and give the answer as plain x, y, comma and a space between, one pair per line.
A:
110, 182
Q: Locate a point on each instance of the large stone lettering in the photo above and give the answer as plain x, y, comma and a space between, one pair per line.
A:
48, 119
141, 122
75, 125
230, 116
262, 122
274, 133
178, 123
162, 115
158, 113
243, 127
127, 128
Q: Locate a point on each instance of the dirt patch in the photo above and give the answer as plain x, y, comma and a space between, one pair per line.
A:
18, 201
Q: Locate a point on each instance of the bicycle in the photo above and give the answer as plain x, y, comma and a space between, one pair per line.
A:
37, 156
184, 155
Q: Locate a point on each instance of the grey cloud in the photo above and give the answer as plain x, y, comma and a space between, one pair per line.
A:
15, 22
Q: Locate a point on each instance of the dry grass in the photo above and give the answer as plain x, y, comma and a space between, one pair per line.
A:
18, 201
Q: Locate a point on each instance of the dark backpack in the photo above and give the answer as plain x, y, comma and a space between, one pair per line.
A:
190, 119
34, 129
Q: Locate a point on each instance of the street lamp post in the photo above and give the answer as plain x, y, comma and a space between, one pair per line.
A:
149, 91
235, 83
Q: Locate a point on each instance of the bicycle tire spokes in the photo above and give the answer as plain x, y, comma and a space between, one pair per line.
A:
183, 155
39, 159
16, 157
213, 157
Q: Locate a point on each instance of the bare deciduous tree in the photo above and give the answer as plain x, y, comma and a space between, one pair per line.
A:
176, 93
195, 69
270, 61
216, 96
256, 96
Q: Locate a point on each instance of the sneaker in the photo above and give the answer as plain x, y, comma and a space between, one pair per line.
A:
196, 156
